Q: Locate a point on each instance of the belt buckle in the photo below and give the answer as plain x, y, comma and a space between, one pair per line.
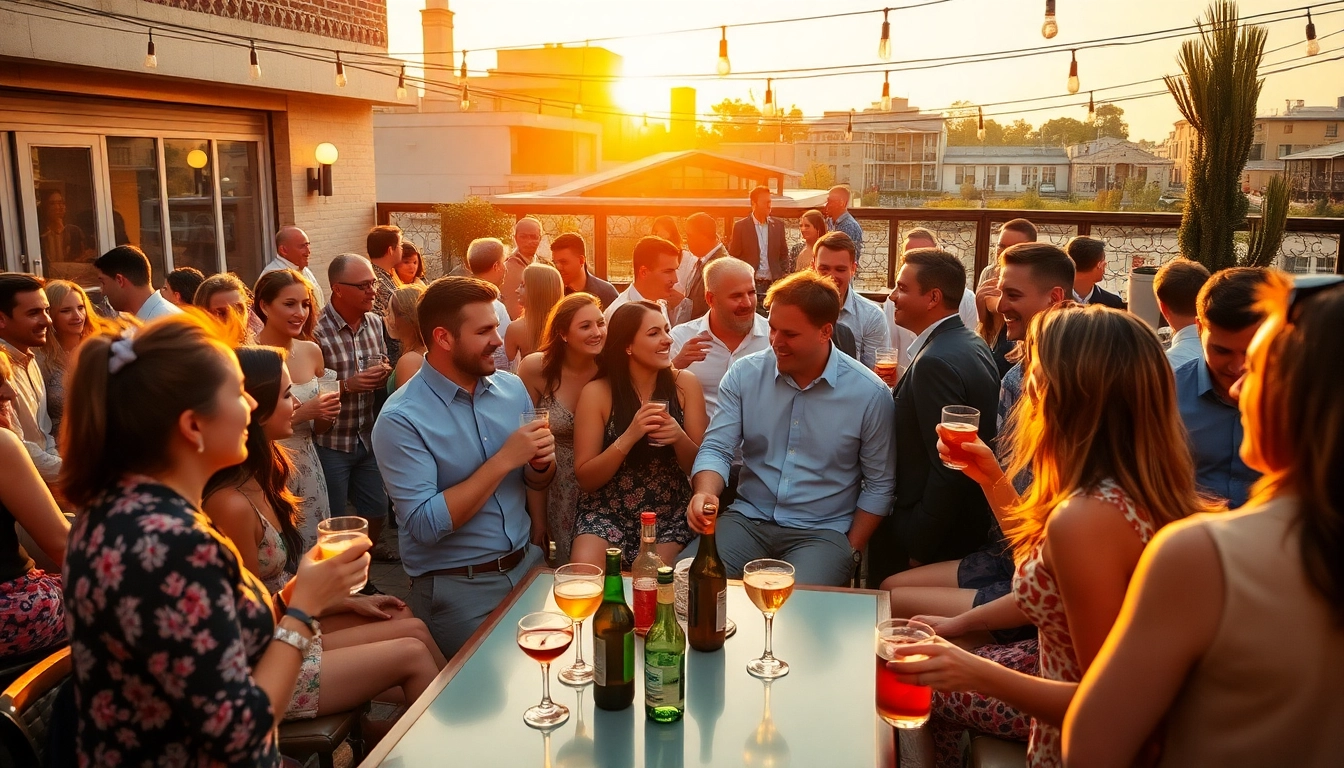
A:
499, 564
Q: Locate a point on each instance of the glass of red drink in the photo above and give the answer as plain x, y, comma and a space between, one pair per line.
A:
901, 704
960, 425
887, 367
544, 636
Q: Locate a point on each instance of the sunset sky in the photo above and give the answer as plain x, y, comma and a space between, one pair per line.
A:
955, 27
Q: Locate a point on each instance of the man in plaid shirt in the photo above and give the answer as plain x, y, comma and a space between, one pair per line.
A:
351, 338
384, 247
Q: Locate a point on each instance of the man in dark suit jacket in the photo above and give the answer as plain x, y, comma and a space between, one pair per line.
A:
769, 257
939, 514
1089, 269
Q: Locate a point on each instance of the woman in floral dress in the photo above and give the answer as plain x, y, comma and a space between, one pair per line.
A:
1099, 428
633, 454
180, 656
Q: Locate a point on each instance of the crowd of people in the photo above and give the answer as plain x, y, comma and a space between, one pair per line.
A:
1091, 593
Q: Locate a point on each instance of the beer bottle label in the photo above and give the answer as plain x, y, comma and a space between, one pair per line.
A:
721, 614
599, 661
629, 658
653, 685
662, 682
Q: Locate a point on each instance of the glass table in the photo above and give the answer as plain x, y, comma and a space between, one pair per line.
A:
820, 714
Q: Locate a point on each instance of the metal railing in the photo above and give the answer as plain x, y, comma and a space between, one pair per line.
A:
1133, 239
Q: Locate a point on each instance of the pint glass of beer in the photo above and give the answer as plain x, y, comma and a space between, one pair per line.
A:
901, 704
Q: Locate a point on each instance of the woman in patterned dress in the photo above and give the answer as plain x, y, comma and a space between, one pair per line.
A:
175, 647
567, 360
364, 650
631, 454
1099, 428
286, 304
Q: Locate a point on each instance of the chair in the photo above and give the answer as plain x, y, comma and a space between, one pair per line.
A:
989, 752
321, 736
14, 666
25, 707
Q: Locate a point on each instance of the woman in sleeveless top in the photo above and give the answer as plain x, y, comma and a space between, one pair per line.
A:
249, 503
633, 454
1098, 425
1232, 633
539, 292
32, 615
404, 326
554, 376
285, 301
73, 320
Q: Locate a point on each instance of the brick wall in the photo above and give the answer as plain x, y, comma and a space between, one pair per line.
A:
336, 224
358, 21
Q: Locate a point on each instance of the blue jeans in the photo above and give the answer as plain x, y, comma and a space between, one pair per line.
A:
354, 477
819, 556
453, 607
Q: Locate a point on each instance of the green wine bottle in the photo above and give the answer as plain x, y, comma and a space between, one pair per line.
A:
613, 642
665, 658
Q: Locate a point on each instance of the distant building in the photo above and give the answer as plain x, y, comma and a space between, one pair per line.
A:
1316, 173
192, 160
1110, 163
1006, 170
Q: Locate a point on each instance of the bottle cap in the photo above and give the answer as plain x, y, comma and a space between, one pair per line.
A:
664, 575
648, 518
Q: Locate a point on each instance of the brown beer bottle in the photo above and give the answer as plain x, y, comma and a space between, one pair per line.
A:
707, 598
613, 642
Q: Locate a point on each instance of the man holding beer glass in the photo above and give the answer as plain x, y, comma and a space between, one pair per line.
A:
939, 513
457, 465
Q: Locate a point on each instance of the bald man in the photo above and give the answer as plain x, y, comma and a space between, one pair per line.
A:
526, 240
293, 251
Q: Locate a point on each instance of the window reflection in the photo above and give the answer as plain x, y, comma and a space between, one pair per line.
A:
67, 222
240, 190
191, 205
133, 171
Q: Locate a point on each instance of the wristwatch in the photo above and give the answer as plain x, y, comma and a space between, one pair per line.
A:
305, 619
290, 637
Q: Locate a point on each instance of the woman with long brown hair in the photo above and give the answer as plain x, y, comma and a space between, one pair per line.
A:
403, 324
1098, 426
73, 319
540, 290
226, 298
566, 361
1232, 633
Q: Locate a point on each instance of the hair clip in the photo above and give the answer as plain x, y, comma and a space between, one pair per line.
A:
122, 352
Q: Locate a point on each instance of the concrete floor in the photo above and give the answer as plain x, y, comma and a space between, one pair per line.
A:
390, 577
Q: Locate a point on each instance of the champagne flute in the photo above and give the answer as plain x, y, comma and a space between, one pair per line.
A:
544, 636
578, 592
769, 584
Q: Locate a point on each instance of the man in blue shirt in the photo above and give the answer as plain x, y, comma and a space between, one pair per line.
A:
456, 465
815, 430
1227, 322
838, 217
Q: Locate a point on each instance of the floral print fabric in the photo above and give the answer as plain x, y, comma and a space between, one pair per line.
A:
165, 628
32, 615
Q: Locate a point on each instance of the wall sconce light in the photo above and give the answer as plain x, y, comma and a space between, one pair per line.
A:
197, 160
319, 178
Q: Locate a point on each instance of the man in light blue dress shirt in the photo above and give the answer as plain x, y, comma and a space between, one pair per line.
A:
815, 430
1177, 287
837, 258
838, 216
456, 465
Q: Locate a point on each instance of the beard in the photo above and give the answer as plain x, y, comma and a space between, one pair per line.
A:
476, 365
740, 324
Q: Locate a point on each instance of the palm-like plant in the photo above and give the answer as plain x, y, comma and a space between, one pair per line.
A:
1217, 93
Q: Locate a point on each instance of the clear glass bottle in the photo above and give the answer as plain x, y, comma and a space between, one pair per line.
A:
644, 573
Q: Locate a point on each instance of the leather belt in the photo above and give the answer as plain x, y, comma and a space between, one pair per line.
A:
498, 565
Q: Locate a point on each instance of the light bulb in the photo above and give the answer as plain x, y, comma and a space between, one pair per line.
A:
465, 104
769, 109
254, 65
401, 83
1313, 45
1050, 28
340, 72
1073, 72
980, 124
884, 45
462, 73
151, 61
1091, 106
849, 127
886, 92
578, 109
644, 128
725, 67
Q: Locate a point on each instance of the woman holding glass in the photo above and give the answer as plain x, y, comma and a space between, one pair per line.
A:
811, 226
636, 433
154, 592
569, 355
369, 644
286, 303
1099, 428
73, 320
1229, 645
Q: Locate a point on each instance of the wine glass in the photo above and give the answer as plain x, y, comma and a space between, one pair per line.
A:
544, 636
769, 584
578, 592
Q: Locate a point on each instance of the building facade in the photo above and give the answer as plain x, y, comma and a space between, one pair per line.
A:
1316, 174
1111, 163
194, 160
1006, 170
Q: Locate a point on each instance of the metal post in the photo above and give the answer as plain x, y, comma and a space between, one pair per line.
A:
600, 244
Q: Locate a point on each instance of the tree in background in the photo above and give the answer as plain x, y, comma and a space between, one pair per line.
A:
818, 176
964, 123
1267, 234
739, 120
460, 223
1217, 94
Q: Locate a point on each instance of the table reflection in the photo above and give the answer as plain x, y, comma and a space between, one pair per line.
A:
766, 747
578, 751
705, 697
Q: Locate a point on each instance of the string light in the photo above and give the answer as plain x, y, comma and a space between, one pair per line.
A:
1091, 107
465, 103
578, 109
401, 83
1050, 28
1073, 72
151, 61
644, 128
980, 126
886, 91
769, 110
725, 66
254, 64
340, 72
849, 127
1313, 46
884, 45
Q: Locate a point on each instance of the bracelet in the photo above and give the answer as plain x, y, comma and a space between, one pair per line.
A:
292, 638
303, 618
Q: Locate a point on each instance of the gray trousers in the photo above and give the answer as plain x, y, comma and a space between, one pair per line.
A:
455, 606
819, 556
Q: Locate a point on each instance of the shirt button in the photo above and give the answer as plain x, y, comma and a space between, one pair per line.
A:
792, 451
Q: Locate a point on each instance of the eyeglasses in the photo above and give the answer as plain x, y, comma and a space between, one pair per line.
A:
365, 286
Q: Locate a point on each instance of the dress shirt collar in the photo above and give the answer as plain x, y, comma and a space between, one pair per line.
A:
851, 304
704, 259
1188, 332
759, 327
22, 359
1085, 300
338, 320
1204, 381
923, 337
446, 388
830, 374
289, 264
